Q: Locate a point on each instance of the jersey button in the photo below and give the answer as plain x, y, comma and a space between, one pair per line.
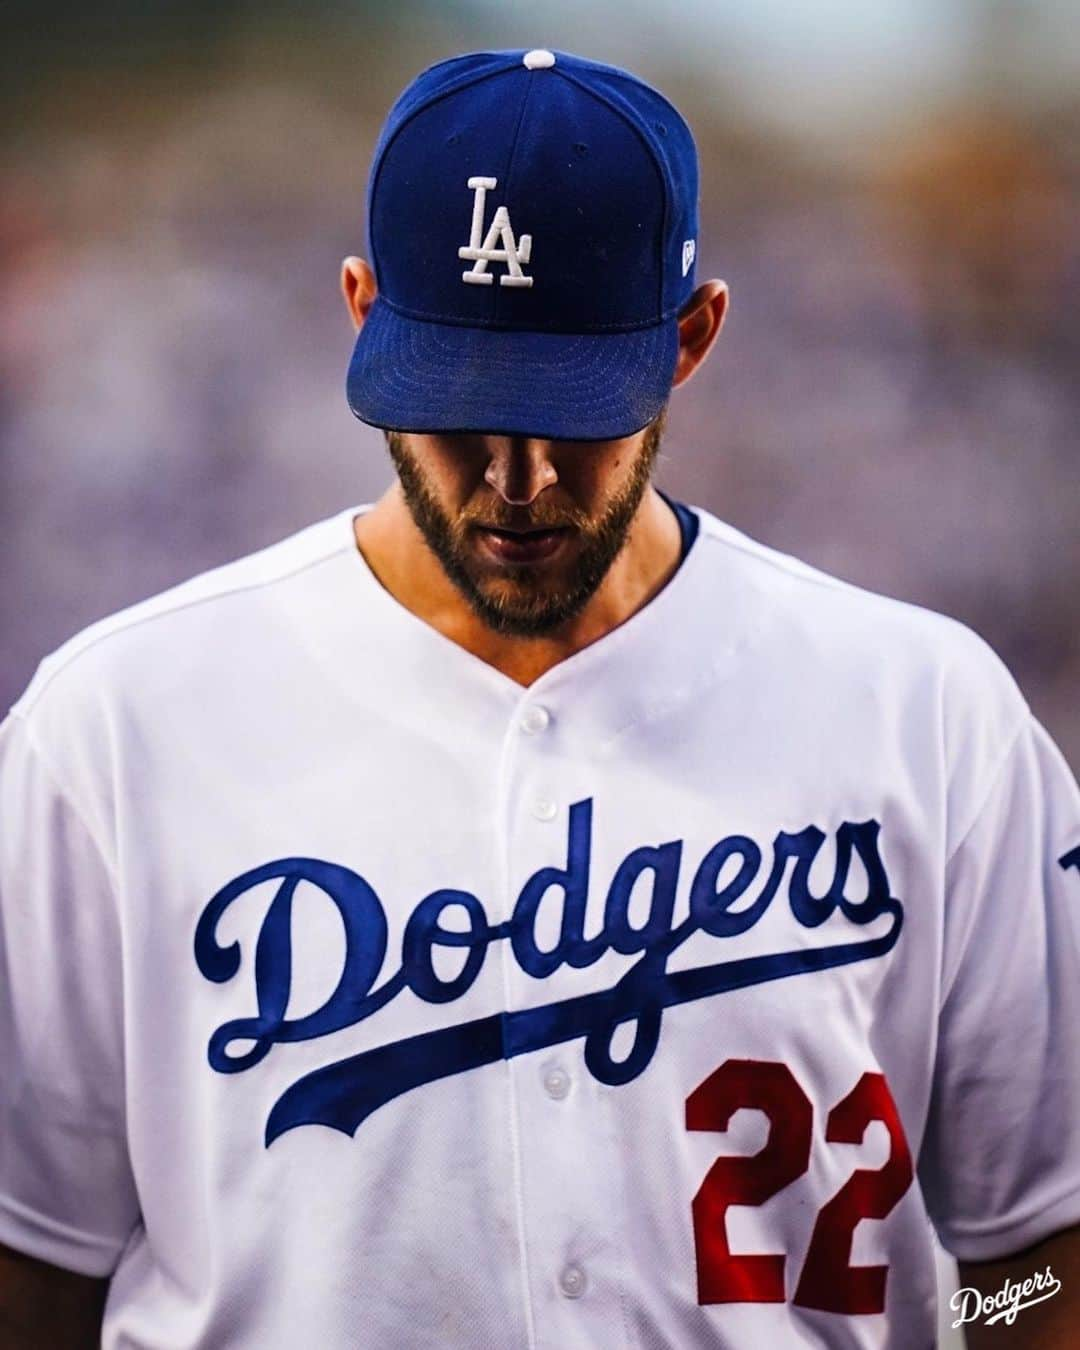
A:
572, 1281
557, 1083
535, 719
544, 809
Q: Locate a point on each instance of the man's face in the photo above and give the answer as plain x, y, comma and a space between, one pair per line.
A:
526, 530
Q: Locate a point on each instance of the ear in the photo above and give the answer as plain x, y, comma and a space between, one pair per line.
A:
700, 321
359, 289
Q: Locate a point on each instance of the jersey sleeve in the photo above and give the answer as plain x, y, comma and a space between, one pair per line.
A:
1000, 1163
66, 1191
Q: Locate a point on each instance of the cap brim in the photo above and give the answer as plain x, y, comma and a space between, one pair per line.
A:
412, 375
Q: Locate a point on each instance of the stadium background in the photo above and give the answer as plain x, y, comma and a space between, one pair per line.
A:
891, 190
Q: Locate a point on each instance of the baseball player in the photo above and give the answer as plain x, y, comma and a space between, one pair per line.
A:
524, 911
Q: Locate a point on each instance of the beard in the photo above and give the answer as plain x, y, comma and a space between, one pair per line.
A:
523, 602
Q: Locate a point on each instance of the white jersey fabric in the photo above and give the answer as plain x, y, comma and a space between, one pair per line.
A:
353, 995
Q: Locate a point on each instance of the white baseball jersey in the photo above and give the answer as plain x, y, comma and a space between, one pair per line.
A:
353, 995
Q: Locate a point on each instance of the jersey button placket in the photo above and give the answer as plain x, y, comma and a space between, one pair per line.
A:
574, 1262
543, 808
531, 810
557, 1083
572, 1281
532, 721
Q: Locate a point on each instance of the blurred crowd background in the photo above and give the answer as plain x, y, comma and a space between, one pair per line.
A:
891, 189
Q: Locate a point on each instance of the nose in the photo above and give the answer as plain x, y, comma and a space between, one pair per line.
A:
519, 468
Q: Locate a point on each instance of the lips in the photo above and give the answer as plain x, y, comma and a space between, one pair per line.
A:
523, 546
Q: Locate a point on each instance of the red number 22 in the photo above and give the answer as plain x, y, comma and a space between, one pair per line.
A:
828, 1280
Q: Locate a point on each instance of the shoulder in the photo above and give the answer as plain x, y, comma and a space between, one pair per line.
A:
928, 672
808, 597
152, 649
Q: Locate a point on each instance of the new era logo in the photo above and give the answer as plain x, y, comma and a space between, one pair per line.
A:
689, 249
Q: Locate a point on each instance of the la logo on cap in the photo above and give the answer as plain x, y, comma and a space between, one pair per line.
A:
513, 252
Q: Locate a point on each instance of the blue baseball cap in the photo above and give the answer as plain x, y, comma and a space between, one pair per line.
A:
532, 225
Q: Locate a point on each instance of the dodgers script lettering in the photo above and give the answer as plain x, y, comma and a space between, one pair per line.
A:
343, 1094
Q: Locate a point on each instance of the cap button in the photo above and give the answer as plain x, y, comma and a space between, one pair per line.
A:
538, 59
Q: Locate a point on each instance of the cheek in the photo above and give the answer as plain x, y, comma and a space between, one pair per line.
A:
453, 479
597, 476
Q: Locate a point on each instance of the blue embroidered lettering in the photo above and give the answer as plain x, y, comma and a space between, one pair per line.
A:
343, 1094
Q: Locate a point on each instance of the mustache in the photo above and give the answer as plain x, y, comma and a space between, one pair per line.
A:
523, 524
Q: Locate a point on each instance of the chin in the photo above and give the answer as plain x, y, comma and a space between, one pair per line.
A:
533, 615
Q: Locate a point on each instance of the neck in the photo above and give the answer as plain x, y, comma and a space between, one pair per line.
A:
401, 561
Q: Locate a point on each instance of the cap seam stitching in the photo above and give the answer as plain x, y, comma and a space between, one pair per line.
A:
423, 107
510, 177
662, 175
628, 76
